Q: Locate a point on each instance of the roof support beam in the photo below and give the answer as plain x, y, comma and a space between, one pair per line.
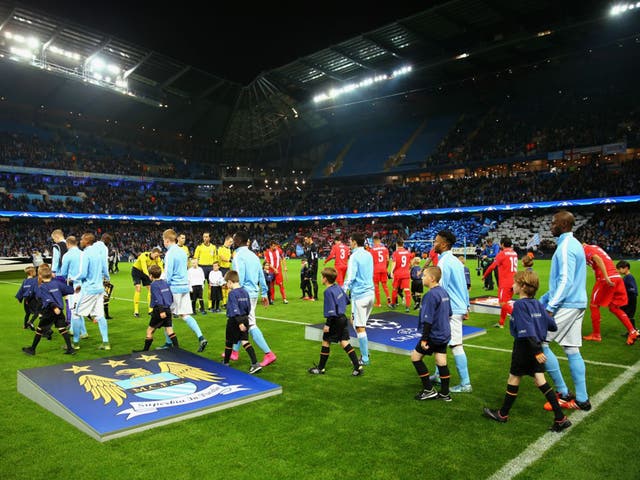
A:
317, 67
349, 57
55, 34
209, 90
100, 47
175, 77
137, 65
387, 48
6, 21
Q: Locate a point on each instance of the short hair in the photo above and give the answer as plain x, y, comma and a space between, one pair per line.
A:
57, 233
215, 262
106, 239
337, 238
272, 243
330, 273
448, 237
72, 241
435, 272
30, 270
89, 237
566, 218
358, 238
506, 242
623, 264
155, 271
232, 276
156, 250
241, 237
44, 272
400, 242
169, 234
415, 261
376, 237
527, 261
528, 281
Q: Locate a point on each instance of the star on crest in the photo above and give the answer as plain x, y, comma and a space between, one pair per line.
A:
115, 363
76, 369
147, 358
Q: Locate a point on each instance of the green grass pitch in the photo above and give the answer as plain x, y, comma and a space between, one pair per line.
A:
331, 426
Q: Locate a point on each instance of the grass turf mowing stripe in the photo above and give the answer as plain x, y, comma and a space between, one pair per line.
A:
537, 449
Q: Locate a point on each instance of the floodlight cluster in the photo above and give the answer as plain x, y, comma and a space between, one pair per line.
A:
336, 92
624, 7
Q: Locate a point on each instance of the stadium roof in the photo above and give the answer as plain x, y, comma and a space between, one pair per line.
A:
446, 42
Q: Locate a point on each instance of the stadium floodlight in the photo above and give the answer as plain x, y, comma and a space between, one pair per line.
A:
98, 64
623, 7
114, 69
366, 82
22, 53
462, 55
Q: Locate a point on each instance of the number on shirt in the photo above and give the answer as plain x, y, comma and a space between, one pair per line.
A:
343, 254
403, 261
514, 264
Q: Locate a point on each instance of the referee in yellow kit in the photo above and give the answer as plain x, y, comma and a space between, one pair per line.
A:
206, 254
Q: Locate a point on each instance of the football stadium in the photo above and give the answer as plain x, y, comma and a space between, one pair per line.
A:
448, 190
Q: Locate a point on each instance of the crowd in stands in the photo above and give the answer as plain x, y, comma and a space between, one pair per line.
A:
72, 195
616, 233
85, 153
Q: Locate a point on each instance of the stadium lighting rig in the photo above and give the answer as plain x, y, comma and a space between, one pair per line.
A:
28, 49
350, 87
621, 8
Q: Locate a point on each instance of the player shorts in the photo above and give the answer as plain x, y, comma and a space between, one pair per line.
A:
90, 305
233, 332
401, 283
455, 321
361, 309
380, 277
505, 294
523, 360
431, 348
604, 295
139, 277
342, 271
338, 330
158, 322
279, 279
49, 318
569, 321
181, 304
417, 286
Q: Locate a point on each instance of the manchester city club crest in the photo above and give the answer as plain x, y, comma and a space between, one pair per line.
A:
116, 396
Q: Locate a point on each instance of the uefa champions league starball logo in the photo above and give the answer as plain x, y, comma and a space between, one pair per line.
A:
381, 324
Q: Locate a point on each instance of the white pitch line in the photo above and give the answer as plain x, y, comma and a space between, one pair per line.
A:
537, 449
590, 362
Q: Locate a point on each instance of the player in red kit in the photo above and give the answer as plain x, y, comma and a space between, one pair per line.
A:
608, 291
340, 253
507, 264
380, 255
401, 273
275, 256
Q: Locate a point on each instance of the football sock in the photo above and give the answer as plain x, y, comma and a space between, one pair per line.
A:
550, 395
364, 345
174, 339
76, 325
624, 319
553, 369
36, 338
147, 344
407, 297
228, 348
423, 373
445, 378
509, 398
578, 373
352, 355
324, 356
104, 330
83, 326
136, 302
193, 325
258, 339
461, 365
595, 319
251, 351
67, 338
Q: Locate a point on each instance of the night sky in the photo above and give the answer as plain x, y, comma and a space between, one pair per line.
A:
240, 41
